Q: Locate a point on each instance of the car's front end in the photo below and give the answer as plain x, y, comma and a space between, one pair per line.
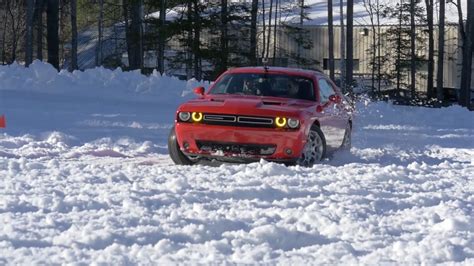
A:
240, 129
250, 114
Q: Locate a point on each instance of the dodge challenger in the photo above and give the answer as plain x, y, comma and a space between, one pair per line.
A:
287, 115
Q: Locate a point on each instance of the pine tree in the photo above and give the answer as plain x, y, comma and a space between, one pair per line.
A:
399, 43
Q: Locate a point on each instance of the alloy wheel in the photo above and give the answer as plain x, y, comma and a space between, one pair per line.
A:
313, 150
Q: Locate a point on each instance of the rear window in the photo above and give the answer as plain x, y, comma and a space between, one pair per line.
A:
275, 85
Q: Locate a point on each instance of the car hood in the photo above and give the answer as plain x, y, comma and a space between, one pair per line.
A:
247, 105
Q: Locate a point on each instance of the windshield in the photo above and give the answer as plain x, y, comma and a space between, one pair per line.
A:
275, 85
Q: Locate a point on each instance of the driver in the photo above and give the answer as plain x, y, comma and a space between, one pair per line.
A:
250, 88
293, 89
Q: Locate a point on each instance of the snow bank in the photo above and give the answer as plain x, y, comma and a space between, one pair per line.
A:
90, 104
98, 82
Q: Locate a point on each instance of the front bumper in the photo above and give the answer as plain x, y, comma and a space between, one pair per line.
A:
240, 143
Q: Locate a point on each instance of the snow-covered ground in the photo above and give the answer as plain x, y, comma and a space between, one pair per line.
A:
85, 177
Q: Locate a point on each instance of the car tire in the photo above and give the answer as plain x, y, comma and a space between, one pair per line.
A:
315, 148
175, 152
347, 141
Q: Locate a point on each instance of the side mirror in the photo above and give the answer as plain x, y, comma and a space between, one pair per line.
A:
319, 109
199, 91
335, 98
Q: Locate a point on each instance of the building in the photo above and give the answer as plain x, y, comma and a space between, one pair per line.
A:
287, 49
363, 53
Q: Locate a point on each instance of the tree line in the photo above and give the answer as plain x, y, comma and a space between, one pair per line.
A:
243, 34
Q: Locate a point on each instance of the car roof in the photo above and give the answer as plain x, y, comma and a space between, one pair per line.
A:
276, 70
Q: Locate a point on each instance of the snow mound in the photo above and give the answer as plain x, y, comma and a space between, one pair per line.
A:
98, 82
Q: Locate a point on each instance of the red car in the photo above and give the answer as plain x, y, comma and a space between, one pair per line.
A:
277, 114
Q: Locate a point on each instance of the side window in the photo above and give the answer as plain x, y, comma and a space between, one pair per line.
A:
325, 90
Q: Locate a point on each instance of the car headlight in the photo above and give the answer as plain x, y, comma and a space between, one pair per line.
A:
293, 123
196, 116
184, 116
280, 121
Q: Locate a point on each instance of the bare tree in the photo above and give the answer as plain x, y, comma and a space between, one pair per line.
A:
4, 35
30, 6
264, 30
73, 35
467, 51
189, 54
331, 40
100, 20
39, 28
429, 12
412, 48
343, 46
135, 34
300, 33
350, 43
197, 41
269, 29
161, 37
440, 80
53, 32
399, 48
128, 35
224, 37
275, 31
379, 48
14, 22
369, 6
253, 32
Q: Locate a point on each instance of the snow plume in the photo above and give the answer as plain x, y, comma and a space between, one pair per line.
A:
85, 178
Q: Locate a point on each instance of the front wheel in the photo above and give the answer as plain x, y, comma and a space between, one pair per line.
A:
175, 152
314, 149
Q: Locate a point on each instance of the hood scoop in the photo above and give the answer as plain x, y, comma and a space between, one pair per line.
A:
217, 100
271, 103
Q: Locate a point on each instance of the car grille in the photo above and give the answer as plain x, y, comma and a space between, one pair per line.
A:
236, 148
236, 120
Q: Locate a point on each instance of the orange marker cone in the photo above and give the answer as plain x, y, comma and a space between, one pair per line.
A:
3, 122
